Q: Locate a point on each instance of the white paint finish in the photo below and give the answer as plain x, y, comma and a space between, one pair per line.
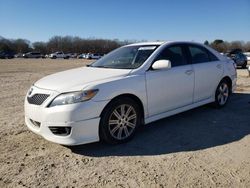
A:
207, 78
162, 92
177, 110
161, 64
78, 78
169, 89
83, 132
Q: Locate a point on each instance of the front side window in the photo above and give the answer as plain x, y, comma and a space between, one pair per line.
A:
174, 54
128, 57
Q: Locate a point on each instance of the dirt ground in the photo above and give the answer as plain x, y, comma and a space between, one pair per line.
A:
204, 147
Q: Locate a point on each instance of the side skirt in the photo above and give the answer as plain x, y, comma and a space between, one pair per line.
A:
178, 110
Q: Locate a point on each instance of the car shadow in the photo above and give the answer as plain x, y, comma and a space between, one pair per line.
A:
196, 129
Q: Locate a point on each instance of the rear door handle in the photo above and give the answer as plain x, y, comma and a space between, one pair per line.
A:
189, 72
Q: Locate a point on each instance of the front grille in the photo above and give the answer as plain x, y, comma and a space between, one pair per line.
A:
60, 131
37, 99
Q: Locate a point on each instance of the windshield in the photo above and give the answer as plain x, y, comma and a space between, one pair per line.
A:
129, 57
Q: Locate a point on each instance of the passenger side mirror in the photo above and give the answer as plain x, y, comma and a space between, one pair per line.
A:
161, 64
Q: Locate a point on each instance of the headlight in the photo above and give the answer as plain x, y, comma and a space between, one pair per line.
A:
74, 97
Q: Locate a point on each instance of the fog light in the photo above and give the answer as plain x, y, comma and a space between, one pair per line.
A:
60, 131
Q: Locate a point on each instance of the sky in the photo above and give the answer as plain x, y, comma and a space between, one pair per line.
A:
190, 20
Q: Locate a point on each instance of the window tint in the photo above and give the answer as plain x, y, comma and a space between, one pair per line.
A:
201, 55
128, 57
212, 57
174, 54
198, 55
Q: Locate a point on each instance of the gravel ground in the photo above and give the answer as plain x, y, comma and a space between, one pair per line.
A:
204, 147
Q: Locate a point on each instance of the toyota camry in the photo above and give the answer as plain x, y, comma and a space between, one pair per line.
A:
132, 85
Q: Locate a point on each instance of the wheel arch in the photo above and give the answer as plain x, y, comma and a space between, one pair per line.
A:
131, 96
229, 81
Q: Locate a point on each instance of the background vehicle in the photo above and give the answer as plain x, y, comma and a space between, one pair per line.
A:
19, 55
6, 55
81, 56
59, 55
46, 55
239, 58
32, 55
93, 56
133, 85
72, 55
248, 55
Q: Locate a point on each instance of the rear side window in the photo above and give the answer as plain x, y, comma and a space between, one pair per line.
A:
212, 57
201, 55
174, 54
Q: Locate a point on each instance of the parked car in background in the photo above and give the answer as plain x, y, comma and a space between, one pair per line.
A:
19, 55
32, 55
46, 55
6, 55
59, 55
133, 85
81, 56
93, 56
72, 55
247, 54
239, 58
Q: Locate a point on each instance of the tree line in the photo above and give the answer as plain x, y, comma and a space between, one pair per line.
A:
69, 44
224, 46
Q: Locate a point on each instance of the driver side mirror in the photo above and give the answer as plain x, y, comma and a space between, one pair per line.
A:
161, 64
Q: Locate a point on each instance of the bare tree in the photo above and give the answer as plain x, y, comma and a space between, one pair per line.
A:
69, 44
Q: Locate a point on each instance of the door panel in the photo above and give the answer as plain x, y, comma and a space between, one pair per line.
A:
207, 76
169, 89
208, 71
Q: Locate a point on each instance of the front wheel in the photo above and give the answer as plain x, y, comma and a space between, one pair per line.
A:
222, 94
120, 121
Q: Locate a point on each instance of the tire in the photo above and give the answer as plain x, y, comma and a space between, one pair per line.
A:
119, 121
244, 66
222, 94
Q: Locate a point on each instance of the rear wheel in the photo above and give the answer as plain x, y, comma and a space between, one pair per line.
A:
222, 94
120, 121
244, 65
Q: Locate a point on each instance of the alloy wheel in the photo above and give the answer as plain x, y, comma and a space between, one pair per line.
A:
122, 121
223, 94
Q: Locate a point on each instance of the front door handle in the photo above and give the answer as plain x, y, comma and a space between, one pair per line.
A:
189, 72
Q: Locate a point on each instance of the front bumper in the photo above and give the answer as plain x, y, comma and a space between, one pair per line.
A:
82, 118
82, 132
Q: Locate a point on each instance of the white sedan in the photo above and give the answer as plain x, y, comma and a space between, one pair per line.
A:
133, 85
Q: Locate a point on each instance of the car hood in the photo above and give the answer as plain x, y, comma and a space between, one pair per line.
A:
77, 79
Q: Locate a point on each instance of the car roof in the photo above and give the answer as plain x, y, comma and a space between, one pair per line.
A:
163, 42
160, 43
147, 43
